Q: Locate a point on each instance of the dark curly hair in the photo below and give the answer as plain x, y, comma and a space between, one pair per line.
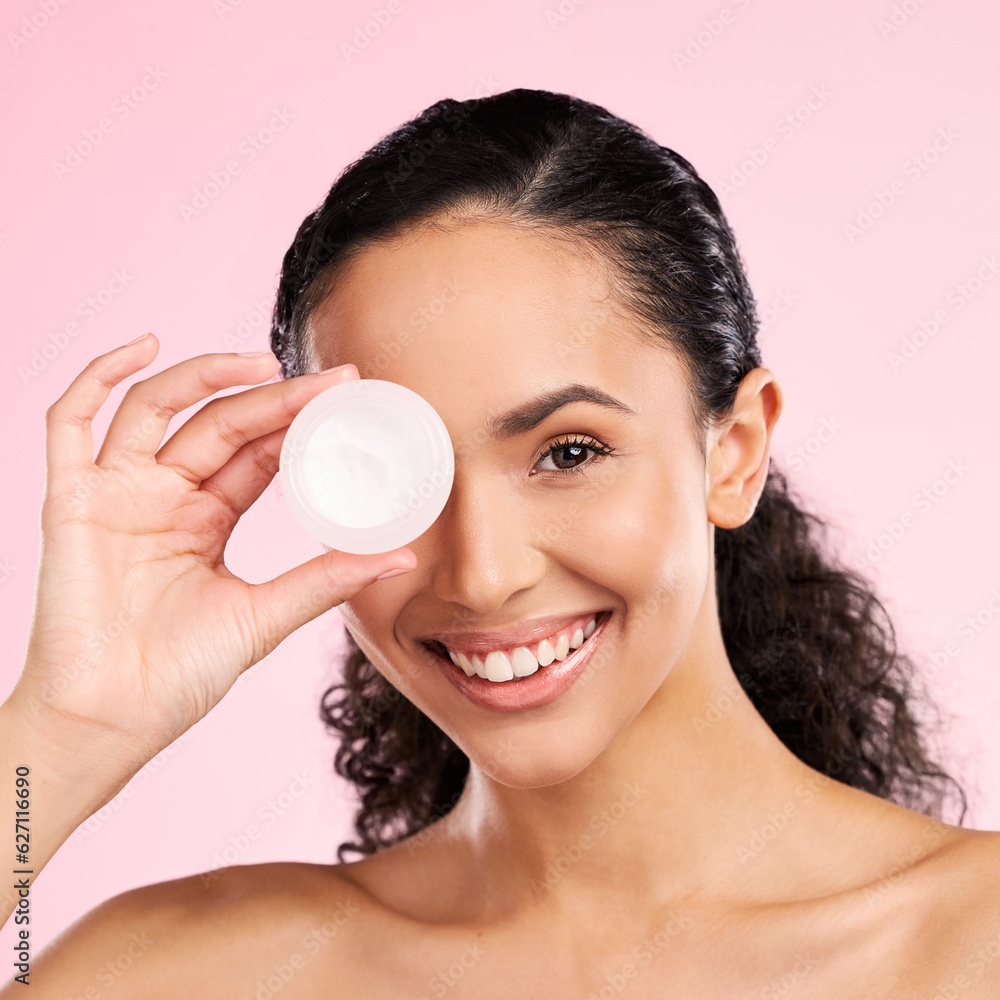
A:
810, 643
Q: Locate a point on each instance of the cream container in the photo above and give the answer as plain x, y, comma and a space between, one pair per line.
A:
366, 466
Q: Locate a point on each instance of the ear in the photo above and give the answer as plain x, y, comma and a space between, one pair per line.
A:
739, 449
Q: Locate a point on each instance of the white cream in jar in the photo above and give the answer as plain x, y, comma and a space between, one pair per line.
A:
367, 466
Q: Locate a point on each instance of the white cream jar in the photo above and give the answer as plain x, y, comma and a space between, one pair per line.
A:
367, 466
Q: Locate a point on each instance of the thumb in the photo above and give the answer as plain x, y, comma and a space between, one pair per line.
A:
298, 596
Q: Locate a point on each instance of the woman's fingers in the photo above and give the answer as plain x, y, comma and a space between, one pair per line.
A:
240, 482
222, 427
141, 421
69, 444
298, 596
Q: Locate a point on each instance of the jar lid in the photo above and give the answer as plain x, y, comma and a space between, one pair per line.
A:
367, 466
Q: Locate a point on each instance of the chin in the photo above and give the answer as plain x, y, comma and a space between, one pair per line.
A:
519, 760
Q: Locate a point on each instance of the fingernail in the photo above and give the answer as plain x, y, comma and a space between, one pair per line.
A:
136, 341
394, 572
338, 368
254, 354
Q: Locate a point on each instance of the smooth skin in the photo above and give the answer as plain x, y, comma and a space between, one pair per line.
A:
647, 831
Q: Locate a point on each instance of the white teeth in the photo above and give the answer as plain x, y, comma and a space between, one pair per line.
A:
523, 662
498, 667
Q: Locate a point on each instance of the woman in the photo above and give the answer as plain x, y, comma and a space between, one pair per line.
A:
730, 798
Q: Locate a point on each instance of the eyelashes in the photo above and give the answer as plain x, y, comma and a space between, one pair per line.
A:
566, 449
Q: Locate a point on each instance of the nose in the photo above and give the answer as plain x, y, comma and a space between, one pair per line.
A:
481, 547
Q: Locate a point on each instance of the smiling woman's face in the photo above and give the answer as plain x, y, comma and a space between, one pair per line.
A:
478, 319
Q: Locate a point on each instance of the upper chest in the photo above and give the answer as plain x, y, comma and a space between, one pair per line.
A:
913, 933
818, 952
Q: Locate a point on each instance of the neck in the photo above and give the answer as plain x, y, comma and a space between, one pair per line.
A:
696, 798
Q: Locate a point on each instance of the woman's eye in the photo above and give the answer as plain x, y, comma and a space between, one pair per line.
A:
571, 455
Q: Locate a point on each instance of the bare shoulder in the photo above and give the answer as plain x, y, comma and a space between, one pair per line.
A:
972, 866
966, 874
961, 921
215, 933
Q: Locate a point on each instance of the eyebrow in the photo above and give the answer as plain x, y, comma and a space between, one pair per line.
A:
530, 414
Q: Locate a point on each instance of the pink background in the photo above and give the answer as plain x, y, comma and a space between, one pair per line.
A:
867, 437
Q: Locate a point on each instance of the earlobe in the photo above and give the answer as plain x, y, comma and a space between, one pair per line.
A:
740, 452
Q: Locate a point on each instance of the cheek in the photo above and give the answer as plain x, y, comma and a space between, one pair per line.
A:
368, 622
639, 536
371, 625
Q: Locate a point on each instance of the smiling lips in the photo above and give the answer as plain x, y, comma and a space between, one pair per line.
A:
522, 661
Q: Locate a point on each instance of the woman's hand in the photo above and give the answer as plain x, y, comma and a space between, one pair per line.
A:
138, 626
